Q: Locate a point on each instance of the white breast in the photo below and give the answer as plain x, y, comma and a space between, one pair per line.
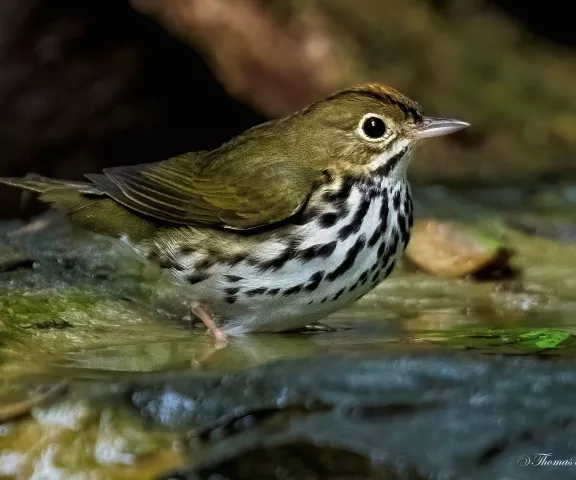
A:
289, 297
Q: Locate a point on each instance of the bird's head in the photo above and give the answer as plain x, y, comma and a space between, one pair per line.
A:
365, 130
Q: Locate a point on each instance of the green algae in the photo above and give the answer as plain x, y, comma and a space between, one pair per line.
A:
505, 340
27, 311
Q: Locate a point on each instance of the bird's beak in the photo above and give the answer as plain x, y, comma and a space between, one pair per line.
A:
436, 127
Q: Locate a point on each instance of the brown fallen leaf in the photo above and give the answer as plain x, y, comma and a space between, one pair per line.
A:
451, 249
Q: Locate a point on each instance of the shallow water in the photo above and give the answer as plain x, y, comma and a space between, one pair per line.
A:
126, 321
68, 312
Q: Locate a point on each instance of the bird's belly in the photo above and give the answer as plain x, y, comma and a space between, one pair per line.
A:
298, 303
304, 287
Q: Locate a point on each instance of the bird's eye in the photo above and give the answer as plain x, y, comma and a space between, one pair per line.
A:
373, 127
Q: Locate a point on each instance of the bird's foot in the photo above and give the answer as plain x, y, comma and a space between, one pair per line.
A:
203, 313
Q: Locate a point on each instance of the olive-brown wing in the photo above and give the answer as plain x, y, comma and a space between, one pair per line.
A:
189, 190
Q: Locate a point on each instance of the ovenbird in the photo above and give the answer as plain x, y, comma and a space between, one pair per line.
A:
284, 224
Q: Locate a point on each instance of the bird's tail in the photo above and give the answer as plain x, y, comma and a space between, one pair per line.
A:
85, 205
40, 184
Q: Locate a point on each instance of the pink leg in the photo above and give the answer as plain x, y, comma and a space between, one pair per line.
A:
203, 314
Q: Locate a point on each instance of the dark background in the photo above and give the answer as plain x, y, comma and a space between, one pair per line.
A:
84, 85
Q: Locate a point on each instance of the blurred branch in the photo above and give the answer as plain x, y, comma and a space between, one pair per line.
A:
275, 64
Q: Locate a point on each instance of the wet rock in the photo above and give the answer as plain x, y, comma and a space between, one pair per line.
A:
58, 324
63, 258
14, 258
18, 402
71, 439
561, 228
392, 417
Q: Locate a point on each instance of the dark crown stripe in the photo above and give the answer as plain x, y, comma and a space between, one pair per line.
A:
409, 111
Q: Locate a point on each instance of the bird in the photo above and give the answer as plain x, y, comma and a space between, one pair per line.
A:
277, 228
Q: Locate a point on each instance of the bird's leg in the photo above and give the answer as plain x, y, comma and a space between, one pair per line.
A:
203, 314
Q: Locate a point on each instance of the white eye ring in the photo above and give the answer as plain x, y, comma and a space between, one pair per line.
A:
372, 127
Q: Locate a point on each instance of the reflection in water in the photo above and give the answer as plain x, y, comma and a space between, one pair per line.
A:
366, 329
